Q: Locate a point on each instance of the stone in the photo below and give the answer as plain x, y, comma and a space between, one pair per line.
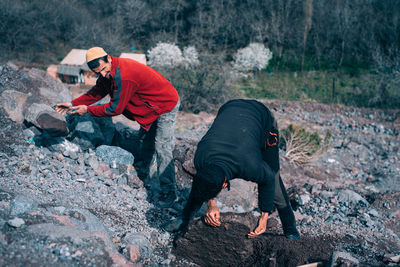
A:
13, 103
303, 199
351, 198
89, 131
114, 155
16, 222
133, 253
242, 197
340, 258
47, 119
22, 204
140, 241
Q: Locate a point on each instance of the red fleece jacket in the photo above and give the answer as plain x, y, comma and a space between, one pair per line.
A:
137, 91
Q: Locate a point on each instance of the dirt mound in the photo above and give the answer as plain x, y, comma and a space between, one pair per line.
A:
228, 245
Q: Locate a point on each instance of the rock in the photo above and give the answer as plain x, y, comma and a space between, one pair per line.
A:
241, 198
140, 241
47, 119
22, 204
303, 199
30, 133
126, 138
133, 253
50, 91
16, 222
61, 145
340, 258
13, 103
114, 155
89, 131
351, 198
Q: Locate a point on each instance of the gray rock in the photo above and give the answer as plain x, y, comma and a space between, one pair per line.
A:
89, 131
16, 222
22, 204
13, 103
241, 198
303, 199
140, 241
47, 119
351, 198
87, 221
341, 258
62, 145
114, 155
50, 91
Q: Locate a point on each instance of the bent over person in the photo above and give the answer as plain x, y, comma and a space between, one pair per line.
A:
141, 94
241, 143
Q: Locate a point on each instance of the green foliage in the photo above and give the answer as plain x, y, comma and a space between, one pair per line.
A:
203, 88
302, 146
363, 89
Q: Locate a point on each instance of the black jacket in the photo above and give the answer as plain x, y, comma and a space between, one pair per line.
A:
235, 142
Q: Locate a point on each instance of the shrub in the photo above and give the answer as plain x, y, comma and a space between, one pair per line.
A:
252, 58
190, 56
164, 55
168, 55
201, 88
301, 146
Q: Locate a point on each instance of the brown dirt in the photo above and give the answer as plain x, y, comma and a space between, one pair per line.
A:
228, 245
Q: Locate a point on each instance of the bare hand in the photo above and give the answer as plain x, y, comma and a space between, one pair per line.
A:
80, 110
212, 216
262, 226
63, 108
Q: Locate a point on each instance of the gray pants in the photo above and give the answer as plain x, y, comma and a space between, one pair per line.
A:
157, 144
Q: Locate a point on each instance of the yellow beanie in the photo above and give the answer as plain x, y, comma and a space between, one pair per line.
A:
94, 53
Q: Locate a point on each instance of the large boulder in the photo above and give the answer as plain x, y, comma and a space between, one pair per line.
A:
47, 119
89, 131
20, 88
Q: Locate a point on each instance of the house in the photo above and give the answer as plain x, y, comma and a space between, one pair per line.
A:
73, 68
138, 57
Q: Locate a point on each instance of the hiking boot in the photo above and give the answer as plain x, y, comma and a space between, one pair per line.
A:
167, 200
288, 223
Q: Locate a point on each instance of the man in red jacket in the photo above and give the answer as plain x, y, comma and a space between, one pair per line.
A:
142, 94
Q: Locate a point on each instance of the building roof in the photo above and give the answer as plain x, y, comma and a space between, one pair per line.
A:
76, 57
138, 57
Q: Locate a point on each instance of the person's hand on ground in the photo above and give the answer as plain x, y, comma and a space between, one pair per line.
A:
80, 110
63, 108
212, 216
261, 227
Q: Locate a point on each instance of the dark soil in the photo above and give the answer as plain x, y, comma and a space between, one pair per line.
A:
228, 245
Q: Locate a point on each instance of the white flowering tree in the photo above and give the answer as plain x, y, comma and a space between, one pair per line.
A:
252, 58
190, 56
164, 55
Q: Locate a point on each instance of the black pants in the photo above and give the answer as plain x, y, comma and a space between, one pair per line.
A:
271, 156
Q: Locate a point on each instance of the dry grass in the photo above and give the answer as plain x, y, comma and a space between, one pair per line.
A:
303, 147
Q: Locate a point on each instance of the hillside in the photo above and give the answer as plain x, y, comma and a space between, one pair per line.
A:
76, 200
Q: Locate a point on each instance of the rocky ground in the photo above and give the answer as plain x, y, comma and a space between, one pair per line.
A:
70, 202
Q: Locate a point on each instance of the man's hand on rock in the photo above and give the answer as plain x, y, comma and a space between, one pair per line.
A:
63, 108
80, 110
212, 216
261, 227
